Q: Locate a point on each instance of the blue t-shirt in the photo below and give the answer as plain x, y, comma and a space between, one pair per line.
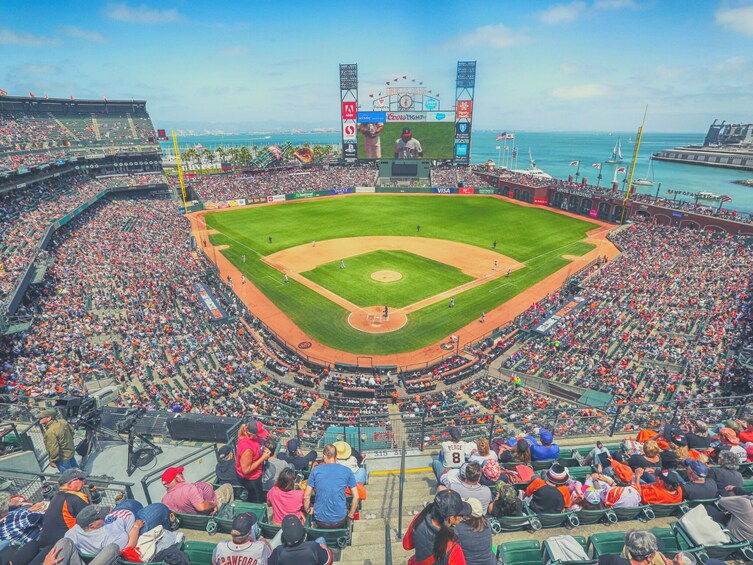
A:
330, 480
545, 452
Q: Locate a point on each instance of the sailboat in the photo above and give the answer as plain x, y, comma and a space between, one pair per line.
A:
616, 153
648, 179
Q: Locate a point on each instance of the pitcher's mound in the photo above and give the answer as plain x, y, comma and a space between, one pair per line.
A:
372, 320
386, 276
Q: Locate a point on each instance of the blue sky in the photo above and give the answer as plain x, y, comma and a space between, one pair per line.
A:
583, 65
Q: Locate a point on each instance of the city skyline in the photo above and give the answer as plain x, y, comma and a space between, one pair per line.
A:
557, 66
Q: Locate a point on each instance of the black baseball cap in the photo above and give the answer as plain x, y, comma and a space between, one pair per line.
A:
91, 514
292, 446
406, 131
70, 475
454, 432
448, 503
243, 524
292, 530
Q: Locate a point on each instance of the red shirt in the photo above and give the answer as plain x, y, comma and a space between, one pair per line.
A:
244, 444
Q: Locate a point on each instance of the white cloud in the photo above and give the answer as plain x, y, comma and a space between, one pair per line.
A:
615, 4
739, 19
574, 68
85, 34
10, 37
141, 14
562, 13
497, 36
580, 91
233, 51
35, 69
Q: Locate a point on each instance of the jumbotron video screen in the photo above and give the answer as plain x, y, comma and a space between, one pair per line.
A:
406, 135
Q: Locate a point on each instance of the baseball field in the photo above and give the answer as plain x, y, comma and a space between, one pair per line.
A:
332, 265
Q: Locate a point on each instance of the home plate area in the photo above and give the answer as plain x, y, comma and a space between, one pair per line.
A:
377, 319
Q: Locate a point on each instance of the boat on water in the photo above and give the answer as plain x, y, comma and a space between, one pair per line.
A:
648, 180
728, 146
708, 196
616, 153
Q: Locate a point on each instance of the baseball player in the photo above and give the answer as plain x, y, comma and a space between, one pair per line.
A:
372, 144
407, 147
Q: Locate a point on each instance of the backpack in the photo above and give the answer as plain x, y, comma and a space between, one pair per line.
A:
520, 474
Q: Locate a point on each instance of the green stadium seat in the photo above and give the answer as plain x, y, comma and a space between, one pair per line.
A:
605, 515
269, 531
667, 510
546, 553
642, 513
522, 552
564, 520
225, 523
200, 552
338, 538
606, 543
735, 549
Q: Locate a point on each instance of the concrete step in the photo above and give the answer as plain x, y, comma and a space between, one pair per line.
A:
373, 554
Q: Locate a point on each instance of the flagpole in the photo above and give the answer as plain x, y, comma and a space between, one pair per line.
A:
499, 156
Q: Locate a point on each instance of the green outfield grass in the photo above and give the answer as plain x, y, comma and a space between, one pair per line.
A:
422, 278
437, 139
538, 238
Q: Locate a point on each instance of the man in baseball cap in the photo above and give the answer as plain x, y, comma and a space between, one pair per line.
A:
295, 550
698, 486
452, 453
70, 476
407, 147
296, 457
193, 498
244, 547
58, 440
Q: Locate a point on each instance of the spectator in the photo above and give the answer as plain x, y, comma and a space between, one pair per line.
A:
746, 435
475, 536
740, 523
330, 480
598, 456
665, 490
641, 547
507, 502
616, 491
467, 484
193, 498
699, 485
730, 441
91, 533
225, 468
245, 546
295, 456
285, 498
520, 453
698, 438
649, 462
20, 524
60, 516
350, 458
547, 451
64, 552
295, 550
728, 479
58, 440
272, 466
150, 516
251, 457
431, 533
483, 453
544, 498
452, 453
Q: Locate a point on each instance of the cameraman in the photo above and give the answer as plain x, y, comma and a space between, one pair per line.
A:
58, 440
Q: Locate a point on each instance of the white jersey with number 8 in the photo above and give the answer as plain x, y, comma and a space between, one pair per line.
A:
455, 453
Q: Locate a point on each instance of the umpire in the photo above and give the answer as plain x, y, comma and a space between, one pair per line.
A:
58, 440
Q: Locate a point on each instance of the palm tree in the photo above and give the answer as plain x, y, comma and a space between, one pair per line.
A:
221, 153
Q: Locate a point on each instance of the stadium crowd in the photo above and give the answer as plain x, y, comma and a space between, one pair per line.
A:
278, 181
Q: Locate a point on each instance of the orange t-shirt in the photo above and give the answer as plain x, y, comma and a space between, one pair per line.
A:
656, 494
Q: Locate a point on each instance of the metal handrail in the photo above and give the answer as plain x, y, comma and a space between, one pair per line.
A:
401, 486
387, 544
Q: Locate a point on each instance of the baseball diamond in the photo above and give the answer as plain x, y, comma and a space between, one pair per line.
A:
451, 257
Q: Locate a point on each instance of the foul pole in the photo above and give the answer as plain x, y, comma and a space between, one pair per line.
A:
628, 192
180, 171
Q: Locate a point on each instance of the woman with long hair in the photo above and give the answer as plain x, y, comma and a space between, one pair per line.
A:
431, 532
285, 498
475, 536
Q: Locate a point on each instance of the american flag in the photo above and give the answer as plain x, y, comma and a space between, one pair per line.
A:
574, 163
596, 165
725, 198
502, 136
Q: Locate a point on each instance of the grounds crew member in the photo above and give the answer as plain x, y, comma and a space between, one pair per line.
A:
58, 440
